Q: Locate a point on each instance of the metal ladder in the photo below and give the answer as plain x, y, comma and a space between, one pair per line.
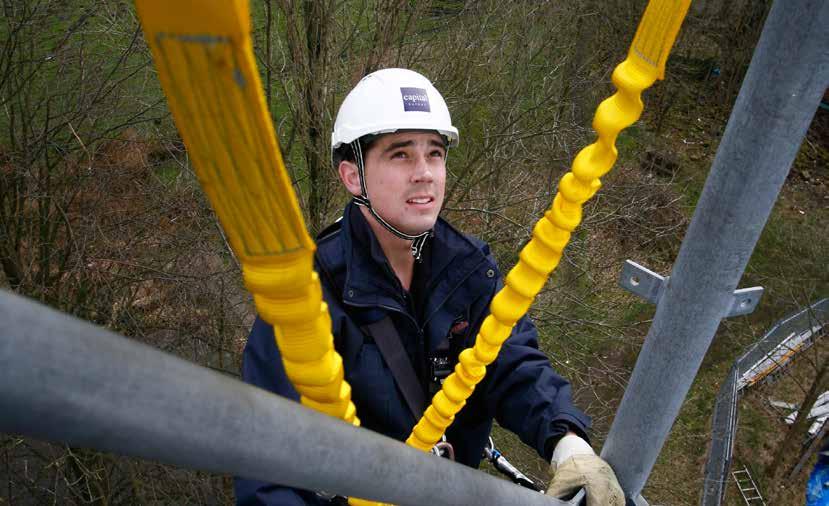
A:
748, 488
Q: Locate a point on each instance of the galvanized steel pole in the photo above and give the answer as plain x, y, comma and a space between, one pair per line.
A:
781, 91
66, 380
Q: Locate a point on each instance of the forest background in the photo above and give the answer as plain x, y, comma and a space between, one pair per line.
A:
101, 215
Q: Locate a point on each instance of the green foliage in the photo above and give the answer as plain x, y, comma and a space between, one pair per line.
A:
628, 141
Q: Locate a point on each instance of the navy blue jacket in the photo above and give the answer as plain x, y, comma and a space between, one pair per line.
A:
450, 295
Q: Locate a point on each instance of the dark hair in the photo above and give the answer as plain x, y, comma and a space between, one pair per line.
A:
346, 153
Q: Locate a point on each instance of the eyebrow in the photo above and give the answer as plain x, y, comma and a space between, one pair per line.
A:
397, 145
405, 144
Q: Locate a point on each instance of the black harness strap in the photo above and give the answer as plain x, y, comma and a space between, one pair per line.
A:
394, 353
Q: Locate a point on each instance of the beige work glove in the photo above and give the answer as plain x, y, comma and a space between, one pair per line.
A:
575, 465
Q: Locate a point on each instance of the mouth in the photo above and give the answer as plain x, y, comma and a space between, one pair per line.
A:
420, 200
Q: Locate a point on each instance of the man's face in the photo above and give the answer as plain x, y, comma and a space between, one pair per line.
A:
405, 179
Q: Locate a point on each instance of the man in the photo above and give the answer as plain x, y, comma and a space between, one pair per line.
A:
395, 276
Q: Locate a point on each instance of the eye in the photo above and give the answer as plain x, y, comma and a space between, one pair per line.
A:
400, 155
437, 153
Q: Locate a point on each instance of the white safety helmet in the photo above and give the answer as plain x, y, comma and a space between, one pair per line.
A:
387, 101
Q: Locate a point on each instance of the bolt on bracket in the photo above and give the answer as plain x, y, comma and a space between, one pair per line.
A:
649, 285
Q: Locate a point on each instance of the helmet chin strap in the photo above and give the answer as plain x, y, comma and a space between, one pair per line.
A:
418, 241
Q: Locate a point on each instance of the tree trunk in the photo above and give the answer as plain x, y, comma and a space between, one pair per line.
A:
268, 51
797, 430
316, 40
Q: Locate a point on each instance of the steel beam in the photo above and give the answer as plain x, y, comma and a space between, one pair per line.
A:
66, 380
781, 91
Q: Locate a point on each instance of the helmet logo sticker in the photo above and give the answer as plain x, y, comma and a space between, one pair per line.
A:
415, 99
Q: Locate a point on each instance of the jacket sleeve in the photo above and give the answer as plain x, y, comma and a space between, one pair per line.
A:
262, 367
525, 395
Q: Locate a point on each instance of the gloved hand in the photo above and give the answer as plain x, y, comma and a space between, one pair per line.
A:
575, 465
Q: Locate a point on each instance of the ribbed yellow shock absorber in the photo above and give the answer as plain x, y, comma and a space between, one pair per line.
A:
203, 53
644, 64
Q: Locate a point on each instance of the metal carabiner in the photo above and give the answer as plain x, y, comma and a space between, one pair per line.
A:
443, 448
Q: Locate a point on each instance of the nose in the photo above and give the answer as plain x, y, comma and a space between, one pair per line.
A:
423, 170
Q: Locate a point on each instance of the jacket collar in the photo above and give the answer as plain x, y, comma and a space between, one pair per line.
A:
370, 280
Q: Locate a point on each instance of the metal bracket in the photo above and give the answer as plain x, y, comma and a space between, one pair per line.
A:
649, 285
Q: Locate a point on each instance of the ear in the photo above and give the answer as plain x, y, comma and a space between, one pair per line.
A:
350, 176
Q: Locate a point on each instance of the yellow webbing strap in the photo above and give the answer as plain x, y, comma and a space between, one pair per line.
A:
203, 53
644, 64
